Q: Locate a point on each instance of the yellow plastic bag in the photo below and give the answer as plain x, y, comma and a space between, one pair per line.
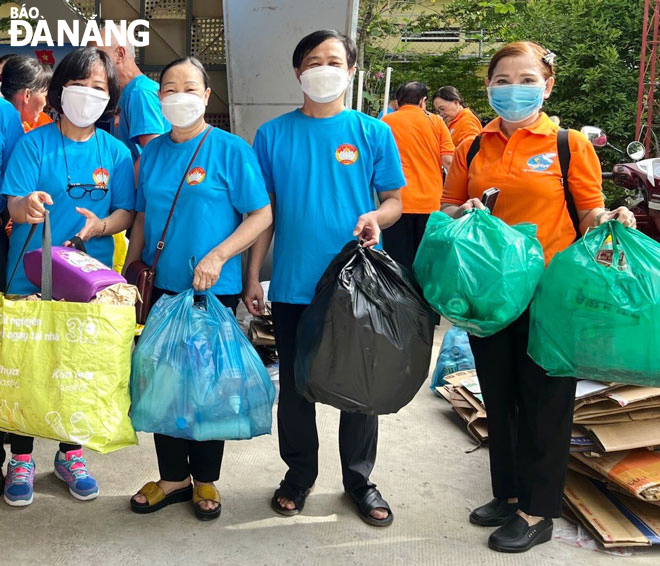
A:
121, 249
64, 372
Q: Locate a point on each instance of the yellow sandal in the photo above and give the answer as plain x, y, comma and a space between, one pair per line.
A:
157, 498
206, 492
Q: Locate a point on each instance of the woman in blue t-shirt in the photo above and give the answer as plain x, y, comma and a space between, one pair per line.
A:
222, 185
86, 179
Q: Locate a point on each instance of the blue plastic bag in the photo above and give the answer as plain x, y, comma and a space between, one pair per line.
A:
196, 376
455, 355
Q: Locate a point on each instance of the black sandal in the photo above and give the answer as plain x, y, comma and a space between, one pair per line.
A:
292, 493
367, 500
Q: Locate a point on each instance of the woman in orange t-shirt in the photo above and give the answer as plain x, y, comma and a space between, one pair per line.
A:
25, 82
461, 121
529, 413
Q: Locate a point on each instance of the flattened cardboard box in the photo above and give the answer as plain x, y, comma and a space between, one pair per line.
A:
615, 520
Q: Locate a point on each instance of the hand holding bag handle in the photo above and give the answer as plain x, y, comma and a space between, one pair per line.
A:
46, 259
142, 275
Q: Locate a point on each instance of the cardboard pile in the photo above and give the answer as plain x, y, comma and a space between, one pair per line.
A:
613, 485
464, 394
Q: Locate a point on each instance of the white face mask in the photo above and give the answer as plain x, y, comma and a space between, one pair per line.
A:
324, 84
182, 109
83, 105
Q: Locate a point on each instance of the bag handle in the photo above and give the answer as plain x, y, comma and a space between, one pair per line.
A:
46, 259
161, 242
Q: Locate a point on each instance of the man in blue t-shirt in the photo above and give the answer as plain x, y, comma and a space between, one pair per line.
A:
323, 166
138, 118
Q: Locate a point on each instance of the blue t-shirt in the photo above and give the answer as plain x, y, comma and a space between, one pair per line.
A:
37, 164
138, 114
11, 131
323, 173
389, 111
222, 184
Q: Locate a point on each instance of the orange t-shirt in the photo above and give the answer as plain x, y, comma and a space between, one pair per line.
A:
422, 139
465, 124
526, 170
43, 120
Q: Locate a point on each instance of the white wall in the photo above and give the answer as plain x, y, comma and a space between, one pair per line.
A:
261, 36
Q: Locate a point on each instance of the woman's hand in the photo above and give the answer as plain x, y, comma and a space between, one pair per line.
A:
471, 204
367, 229
93, 226
207, 271
35, 211
622, 214
253, 297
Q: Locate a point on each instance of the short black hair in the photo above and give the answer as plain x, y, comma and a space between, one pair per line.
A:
411, 93
78, 65
21, 72
314, 39
5, 57
450, 94
194, 62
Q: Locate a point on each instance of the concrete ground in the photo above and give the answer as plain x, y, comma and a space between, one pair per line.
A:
423, 469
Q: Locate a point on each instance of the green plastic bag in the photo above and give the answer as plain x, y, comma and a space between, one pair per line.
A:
64, 372
596, 313
477, 271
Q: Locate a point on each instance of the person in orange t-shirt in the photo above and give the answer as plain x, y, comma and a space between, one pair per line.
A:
425, 147
461, 121
529, 413
25, 82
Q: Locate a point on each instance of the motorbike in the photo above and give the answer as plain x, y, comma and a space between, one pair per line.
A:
640, 178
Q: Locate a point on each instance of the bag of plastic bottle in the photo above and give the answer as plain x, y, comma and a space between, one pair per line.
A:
195, 374
364, 343
477, 271
596, 313
455, 355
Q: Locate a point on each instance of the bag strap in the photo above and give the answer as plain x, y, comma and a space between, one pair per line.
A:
46, 259
474, 149
564, 152
161, 242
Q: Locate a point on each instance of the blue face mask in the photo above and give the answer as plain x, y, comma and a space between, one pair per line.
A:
516, 103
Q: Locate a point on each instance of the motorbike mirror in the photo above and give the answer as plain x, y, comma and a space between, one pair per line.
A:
636, 150
595, 135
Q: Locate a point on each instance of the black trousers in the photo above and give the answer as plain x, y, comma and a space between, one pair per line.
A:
179, 458
402, 239
296, 420
529, 420
25, 444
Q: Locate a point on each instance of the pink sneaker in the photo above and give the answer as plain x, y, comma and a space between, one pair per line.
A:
19, 491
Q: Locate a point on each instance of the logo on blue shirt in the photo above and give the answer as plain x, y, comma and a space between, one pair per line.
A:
541, 162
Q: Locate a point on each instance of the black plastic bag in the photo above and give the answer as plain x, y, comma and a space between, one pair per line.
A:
364, 343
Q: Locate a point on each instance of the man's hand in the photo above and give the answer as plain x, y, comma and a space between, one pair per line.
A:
35, 210
253, 297
368, 229
207, 272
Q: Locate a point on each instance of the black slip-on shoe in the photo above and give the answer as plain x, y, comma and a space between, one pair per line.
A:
493, 514
515, 535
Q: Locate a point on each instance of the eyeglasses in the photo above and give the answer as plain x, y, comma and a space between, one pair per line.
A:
81, 190
78, 191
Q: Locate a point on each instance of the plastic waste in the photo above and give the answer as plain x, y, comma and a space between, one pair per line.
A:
364, 343
455, 355
196, 375
477, 271
596, 317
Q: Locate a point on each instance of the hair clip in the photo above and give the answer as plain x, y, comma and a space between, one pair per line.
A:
549, 57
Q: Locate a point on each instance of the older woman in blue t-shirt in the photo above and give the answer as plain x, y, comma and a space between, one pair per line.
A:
222, 185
